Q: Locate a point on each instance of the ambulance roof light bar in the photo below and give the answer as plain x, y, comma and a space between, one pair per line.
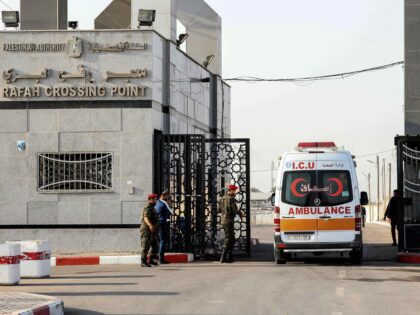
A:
306, 145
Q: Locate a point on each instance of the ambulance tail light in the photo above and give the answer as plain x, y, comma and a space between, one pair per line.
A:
358, 218
277, 219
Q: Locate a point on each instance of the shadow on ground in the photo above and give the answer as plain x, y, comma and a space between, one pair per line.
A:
78, 311
374, 254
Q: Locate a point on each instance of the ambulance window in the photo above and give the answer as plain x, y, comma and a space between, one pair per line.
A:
337, 187
296, 186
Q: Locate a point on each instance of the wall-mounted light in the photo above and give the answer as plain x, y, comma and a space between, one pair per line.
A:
10, 18
181, 39
21, 145
73, 24
208, 61
146, 17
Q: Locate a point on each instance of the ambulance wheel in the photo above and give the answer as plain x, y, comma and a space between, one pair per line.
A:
281, 257
356, 256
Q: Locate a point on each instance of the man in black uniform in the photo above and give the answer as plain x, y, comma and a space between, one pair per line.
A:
392, 212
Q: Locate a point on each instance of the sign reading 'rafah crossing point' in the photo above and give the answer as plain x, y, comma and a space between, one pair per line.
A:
129, 90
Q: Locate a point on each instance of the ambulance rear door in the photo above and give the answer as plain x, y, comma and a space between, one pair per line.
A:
336, 215
298, 221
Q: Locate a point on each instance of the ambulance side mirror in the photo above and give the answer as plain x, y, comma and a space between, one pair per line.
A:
273, 199
364, 199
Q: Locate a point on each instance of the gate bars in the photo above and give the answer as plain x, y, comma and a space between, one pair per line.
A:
196, 171
408, 172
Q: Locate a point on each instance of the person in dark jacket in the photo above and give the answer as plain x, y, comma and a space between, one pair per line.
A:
392, 212
164, 211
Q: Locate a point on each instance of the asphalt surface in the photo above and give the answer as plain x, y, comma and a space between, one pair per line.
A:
307, 285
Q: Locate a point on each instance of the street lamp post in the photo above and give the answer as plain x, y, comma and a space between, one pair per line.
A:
378, 174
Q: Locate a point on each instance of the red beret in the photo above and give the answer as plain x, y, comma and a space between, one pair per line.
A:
151, 196
233, 187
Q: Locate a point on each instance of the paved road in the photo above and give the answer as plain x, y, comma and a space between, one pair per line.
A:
328, 285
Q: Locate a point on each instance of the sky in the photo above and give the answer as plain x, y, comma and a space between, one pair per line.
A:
287, 39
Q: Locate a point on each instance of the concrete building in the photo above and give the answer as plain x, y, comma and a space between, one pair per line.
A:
78, 113
412, 67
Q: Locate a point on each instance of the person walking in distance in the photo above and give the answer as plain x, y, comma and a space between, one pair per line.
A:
392, 212
229, 210
148, 230
164, 211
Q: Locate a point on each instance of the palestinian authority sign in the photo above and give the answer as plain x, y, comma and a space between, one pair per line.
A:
32, 47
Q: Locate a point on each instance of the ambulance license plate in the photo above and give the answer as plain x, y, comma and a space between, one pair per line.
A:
299, 237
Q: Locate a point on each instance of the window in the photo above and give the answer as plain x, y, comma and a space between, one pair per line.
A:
75, 172
330, 187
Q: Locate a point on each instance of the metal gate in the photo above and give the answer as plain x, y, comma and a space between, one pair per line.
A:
408, 155
196, 172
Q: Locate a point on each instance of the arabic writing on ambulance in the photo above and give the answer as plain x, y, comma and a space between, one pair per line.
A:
304, 187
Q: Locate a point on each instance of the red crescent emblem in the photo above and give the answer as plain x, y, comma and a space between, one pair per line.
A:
340, 187
293, 187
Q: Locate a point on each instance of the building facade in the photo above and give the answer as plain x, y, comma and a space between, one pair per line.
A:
79, 111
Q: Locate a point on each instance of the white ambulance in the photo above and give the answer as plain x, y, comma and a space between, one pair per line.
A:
317, 203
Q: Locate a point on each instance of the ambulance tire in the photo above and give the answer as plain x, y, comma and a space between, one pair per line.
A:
356, 256
281, 257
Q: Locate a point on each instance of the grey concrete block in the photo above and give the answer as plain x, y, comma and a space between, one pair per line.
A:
74, 120
74, 141
136, 154
13, 212
105, 212
105, 119
13, 167
42, 142
105, 142
74, 212
136, 119
8, 143
131, 212
412, 123
43, 120
42, 212
12, 120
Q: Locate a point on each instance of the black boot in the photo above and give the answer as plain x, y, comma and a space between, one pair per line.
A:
229, 257
223, 257
144, 262
154, 260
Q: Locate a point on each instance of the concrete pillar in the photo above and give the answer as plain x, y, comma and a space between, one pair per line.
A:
412, 67
165, 23
43, 14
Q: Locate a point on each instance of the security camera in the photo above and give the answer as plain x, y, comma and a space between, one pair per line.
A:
73, 24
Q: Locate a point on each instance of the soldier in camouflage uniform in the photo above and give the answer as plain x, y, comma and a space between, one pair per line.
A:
148, 231
228, 209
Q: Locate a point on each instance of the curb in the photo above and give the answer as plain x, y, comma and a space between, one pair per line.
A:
383, 223
30, 304
408, 258
174, 258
